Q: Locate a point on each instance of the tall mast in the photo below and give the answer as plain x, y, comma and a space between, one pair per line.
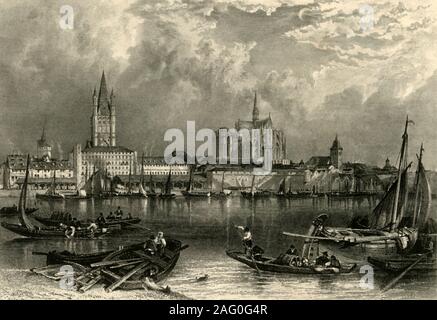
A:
395, 218
130, 184
142, 170
416, 185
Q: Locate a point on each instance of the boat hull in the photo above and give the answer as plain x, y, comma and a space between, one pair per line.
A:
49, 197
109, 223
14, 211
360, 252
266, 265
399, 263
163, 265
49, 233
54, 257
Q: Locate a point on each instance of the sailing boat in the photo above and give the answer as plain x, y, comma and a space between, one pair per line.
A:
141, 191
387, 234
281, 190
254, 192
167, 190
51, 193
151, 193
418, 218
223, 193
190, 192
28, 229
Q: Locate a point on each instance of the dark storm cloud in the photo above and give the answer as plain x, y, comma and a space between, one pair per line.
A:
170, 61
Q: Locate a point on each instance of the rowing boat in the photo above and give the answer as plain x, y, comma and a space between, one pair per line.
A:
267, 264
109, 223
65, 257
53, 232
14, 210
153, 267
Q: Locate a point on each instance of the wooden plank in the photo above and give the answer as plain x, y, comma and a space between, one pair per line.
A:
112, 262
153, 259
124, 265
119, 282
111, 274
90, 284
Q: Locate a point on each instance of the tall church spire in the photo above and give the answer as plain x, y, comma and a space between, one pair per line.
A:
255, 113
103, 101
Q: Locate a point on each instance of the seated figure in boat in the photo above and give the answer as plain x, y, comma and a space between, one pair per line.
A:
101, 220
160, 243
150, 245
334, 264
289, 258
75, 223
111, 216
129, 216
119, 213
323, 259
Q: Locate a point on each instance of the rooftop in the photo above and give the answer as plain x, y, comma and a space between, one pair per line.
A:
103, 149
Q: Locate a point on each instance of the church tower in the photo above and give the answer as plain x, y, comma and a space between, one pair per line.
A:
44, 149
336, 153
255, 113
103, 117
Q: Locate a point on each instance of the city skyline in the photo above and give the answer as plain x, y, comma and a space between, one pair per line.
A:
315, 85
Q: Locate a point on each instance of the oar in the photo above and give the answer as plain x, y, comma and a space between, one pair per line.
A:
256, 266
399, 277
136, 225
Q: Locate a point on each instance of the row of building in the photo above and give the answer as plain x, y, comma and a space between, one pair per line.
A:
102, 154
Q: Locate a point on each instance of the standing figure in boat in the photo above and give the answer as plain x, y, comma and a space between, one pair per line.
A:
246, 239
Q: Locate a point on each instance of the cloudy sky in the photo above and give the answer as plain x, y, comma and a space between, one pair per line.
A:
355, 68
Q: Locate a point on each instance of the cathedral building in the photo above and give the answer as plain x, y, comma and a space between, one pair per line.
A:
279, 145
102, 153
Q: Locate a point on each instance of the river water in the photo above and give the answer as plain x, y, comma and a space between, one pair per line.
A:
207, 226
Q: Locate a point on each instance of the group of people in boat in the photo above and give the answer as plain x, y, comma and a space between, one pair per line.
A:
155, 245
71, 225
291, 257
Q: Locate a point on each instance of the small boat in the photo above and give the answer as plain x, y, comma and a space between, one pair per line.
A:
51, 193
64, 257
281, 191
400, 263
55, 221
28, 229
167, 191
267, 264
14, 210
139, 265
190, 192
254, 192
223, 193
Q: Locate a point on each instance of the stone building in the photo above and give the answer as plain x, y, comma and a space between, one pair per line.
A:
41, 172
101, 152
279, 145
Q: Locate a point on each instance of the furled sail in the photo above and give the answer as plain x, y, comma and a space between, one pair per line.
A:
24, 220
381, 215
141, 190
281, 189
423, 205
168, 184
151, 184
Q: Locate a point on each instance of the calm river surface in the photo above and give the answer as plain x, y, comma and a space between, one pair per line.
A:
207, 226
